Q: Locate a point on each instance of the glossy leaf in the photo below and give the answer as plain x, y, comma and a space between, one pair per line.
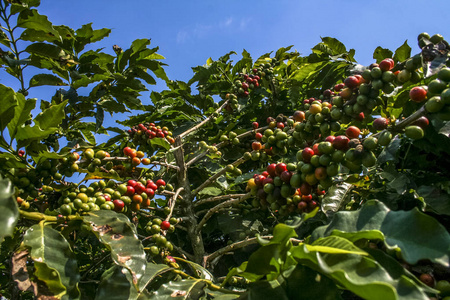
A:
335, 198
419, 236
303, 283
54, 261
334, 245
22, 113
46, 50
360, 274
9, 102
51, 117
402, 53
116, 282
46, 79
184, 289
160, 142
381, 53
437, 200
117, 233
33, 20
8, 207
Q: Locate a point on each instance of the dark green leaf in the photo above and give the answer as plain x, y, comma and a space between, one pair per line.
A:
99, 116
419, 236
54, 261
25, 135
401, 99
380, 53
360, 274
9, 209
402, 53
45, 50
46, 79
438, 200
117, 233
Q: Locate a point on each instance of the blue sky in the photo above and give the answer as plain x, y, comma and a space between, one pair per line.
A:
189, 32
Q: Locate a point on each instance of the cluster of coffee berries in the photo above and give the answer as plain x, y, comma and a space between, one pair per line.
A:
142, 134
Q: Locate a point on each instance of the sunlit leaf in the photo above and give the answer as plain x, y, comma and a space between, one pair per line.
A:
9, 209
54, 261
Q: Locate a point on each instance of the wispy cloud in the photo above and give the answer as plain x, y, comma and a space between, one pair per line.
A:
200, 31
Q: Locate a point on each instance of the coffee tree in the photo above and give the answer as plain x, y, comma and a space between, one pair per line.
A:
284, 177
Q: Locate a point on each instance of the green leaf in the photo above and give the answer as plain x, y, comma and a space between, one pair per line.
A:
54, 261
22, 113
184, 289
52, 116
307, 69
419, 236
210, 191
86, 35
334, 245
335, 197
119, 235
381, 53
335, 45
116, 282
360, 274
33, 20
9, 209
403, 52
401, 99
198, 270
304, 284
46, 79
46, 50
160, 142
437, 200
265, 289
26, 135
99, 117
9, 102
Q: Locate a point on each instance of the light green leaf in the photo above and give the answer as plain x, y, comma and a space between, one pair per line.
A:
184, 289
22, 113
9, 102
381, 53
54, 261
334, 245
119, 235
8, 208
210, 191
51, 117
33, 20
160, 142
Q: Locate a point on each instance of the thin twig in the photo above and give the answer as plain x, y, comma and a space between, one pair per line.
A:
221, 144
204, 121
218, 198
172, 202
215, 176
238, 245
216, 208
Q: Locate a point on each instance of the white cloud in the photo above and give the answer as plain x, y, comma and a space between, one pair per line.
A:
182, 36
200, 31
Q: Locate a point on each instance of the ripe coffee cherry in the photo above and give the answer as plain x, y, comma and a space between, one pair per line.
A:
380, 123
165, 225
352, 132
418, 94
271, 169
341, 142
255, 125
386, 64
351, 82
280, 168
160, 182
